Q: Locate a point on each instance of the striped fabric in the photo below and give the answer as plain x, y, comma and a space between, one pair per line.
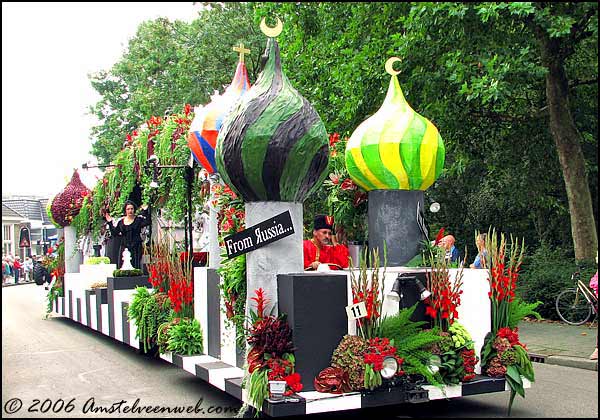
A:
396, 148
202, 136
273, 146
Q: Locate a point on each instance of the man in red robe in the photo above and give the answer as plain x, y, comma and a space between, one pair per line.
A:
323, 248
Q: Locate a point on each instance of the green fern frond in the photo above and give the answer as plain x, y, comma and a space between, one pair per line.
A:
519, 309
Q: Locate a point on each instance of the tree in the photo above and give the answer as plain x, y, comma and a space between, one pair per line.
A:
168, 64
560, 29
475, 70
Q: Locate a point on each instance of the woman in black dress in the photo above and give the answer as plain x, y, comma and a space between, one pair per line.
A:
129, 229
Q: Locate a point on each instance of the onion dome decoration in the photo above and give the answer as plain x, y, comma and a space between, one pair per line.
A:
202, 137
67, 204
273, 146
395, 148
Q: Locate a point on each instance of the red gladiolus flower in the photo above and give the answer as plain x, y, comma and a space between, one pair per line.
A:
431, 312
187, 109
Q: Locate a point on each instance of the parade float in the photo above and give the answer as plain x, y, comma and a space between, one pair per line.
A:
376, 334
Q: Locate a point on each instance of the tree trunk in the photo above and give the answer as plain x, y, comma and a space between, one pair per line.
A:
568, 145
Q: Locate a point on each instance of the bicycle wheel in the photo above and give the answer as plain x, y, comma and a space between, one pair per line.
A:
572, 307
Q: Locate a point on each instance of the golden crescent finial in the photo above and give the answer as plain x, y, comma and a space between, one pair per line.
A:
271, 32
389, 66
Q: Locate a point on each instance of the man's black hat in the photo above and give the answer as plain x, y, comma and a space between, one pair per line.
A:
323, 222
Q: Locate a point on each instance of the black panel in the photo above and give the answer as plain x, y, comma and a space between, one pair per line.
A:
88, 309
127, 283
240, 355
285, 409
315, 305
214, 314
124, 308
483, 385
111, 310
177, 360
233, 386
121, 283
101, 294
71, 304
78, 313
387, 396
203, 369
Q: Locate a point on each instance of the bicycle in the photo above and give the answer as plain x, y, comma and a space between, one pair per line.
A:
576, 305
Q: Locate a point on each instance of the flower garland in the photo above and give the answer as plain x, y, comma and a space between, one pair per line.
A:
231, 218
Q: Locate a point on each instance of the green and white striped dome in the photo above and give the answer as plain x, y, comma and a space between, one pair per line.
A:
396, 148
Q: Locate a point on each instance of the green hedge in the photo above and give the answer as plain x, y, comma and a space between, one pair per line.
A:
97, 260
128, 273
546, 273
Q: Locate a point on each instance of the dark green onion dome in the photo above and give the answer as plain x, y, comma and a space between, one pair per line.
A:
273, 145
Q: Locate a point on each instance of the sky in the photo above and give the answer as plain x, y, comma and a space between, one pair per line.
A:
48, 50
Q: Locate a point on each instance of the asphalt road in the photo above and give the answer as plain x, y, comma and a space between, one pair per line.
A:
58, 361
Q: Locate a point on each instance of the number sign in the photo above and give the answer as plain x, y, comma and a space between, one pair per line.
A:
356, 311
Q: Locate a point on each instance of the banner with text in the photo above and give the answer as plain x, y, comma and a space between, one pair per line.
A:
264, 233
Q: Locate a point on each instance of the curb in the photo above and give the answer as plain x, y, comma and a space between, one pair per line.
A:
568, 361
18, 284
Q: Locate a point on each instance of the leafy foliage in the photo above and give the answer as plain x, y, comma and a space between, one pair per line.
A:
169, 63
411, 342
185, 338
475, 70
519, 310
127, 273
97, 260
546, 273
148, 311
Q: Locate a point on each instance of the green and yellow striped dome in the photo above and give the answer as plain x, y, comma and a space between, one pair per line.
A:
396, 148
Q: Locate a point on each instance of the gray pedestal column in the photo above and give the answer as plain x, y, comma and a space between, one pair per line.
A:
281, 257
393, 220
73, 257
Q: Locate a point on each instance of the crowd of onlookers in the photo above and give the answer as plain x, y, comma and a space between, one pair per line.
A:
15, 270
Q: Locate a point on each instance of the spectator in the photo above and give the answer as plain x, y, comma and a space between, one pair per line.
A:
481, 258
27, 268
452, 254
5, 270
17, 268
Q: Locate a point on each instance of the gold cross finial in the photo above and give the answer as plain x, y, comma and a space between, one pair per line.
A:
242, 51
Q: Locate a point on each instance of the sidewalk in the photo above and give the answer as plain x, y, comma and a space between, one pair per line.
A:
12, 283
559, 343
